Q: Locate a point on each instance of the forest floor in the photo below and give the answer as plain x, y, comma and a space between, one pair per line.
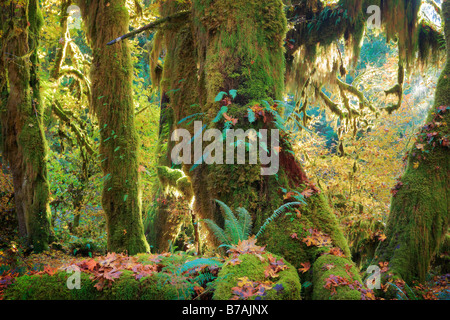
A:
104, 270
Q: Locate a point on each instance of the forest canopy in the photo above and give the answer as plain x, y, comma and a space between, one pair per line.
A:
224, 149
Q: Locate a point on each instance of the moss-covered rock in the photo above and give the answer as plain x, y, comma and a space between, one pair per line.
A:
329, 267
253, 268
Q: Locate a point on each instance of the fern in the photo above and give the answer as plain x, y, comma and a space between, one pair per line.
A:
275, 215
193, 264
245, 220
235, 228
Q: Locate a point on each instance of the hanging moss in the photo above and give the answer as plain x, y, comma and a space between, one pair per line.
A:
419, 215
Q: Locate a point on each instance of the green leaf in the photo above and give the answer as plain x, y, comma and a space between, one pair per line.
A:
233, 93
251, 115
125, 197
220, 113
220, 96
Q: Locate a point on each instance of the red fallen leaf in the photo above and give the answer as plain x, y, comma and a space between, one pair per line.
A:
305, 267
270, 273
228, 118
294, 236
48, 270
384, 266
289, 195
348, 267
91, 264
336, 252
307, 193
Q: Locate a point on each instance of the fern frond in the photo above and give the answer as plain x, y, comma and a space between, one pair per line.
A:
193, 264
275, 215
229, 215
245, 221
233, 231
218, 232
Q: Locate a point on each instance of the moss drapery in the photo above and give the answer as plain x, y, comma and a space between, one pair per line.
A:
420, 207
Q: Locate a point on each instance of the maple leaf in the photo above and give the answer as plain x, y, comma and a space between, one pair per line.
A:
336, 252
294, 236
309, 241
420, 146
91, 264
382, 237
228, 118
305, 267
416, 165
244, 281
384, 266
307, 193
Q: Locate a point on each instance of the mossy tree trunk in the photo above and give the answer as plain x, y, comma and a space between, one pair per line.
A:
111, 76
24, 141
420, 206
238, 45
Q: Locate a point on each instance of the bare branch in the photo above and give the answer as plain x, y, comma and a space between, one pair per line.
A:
154, 24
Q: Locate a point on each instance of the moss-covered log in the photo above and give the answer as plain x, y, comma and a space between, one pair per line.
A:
285, 285
22, 110
111, 75
420, 207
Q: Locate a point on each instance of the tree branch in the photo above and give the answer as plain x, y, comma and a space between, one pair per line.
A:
154, 24
57, 109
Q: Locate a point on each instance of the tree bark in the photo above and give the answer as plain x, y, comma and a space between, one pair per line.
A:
111, 75
420, 206
24, 142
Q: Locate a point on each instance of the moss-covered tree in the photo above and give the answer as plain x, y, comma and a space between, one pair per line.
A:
246, 46
420, 207
112, 101
24, 141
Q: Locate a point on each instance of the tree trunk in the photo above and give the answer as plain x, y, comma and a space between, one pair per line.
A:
24, 141
420, 206
238, 45
111, 75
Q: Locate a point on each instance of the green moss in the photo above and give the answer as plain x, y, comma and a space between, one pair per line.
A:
252, 268
315, 215
157, 287
46, 287
321, 273
126, 287
169, 177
